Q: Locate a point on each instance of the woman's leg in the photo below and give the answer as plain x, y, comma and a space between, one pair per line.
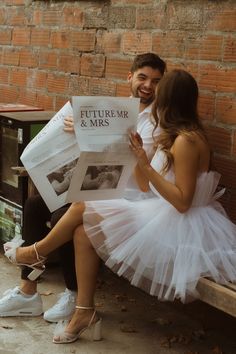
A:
87, 265
59, 235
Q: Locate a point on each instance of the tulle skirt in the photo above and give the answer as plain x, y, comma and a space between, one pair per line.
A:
160, 250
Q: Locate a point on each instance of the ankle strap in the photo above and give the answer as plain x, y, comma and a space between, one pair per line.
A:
39, 258
36, 252
84, 307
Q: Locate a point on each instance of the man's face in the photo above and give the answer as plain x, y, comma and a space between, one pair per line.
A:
143, 83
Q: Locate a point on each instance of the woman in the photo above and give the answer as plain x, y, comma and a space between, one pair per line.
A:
162, 244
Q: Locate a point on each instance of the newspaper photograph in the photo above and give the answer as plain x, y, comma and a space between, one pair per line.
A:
101, 175
50, 159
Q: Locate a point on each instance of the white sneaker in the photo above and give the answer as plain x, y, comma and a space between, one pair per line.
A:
64, 307
14, 303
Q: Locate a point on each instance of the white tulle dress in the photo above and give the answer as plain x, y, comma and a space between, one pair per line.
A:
159, 249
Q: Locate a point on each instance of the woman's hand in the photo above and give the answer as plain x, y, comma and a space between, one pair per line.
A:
136, 145
69, 124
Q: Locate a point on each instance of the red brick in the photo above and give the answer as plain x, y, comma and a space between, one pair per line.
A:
69, 63
123, 90
191, 67
28, 58
217, 78
21, 36
15, 2
118, 68
37, 17
219, 139
57, 83
208, 76
37, 79
27, 97
96, 16
226, 80
40, 37
48, 60
226, 109
204, 47
234, 143
223, 19
73, 16
169, 44
227, 168
83, 41
4, 75
16, 17
206, 106
184, 16
18, 77
121, 17
132, 2
9, 94
108, 42
11, 57
92, 65
60, 102
229, 53
79, 86
3, 16
149, 18
45, 101
102, 87
136, 42
51, 17
60, 40
5, 36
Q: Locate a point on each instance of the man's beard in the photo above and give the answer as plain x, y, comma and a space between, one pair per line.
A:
146, 101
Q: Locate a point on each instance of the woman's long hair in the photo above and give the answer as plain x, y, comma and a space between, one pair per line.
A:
175, 111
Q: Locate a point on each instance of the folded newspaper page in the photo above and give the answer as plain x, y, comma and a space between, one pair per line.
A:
102, 126
50, 159
61, 164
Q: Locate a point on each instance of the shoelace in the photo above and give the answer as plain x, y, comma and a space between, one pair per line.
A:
63, 298
10, 292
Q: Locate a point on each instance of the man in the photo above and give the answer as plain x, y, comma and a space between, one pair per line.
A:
146, 71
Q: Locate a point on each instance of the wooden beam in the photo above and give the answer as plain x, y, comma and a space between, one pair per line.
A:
223, 297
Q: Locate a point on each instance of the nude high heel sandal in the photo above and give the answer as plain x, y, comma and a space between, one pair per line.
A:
37, 267
62, 337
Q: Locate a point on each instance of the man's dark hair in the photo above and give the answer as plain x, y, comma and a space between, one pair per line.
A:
148, 59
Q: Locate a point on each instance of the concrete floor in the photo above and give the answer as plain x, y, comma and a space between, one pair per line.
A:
133, 322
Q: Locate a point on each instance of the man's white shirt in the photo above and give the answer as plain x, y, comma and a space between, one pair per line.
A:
145, 126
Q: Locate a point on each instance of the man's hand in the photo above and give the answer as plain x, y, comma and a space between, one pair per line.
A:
69, 124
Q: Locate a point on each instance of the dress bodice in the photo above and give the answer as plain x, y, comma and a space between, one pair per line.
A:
206, 184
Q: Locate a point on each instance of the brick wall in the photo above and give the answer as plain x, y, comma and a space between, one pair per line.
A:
51, 50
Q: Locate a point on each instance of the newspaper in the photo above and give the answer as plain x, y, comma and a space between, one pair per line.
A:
102, 126
95, 162
50, 159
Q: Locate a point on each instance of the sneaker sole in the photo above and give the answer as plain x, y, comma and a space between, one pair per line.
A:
22, 313
55, 320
